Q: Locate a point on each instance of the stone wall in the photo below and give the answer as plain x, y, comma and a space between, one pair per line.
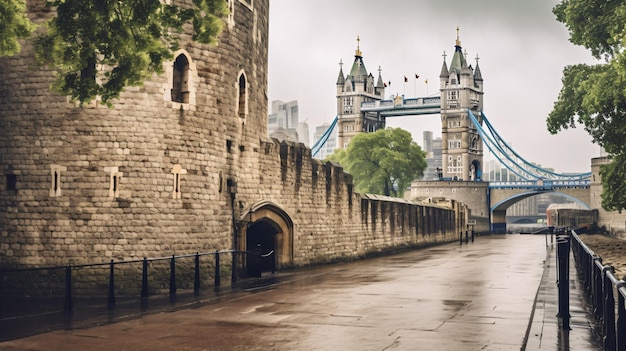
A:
152, 177
612, 221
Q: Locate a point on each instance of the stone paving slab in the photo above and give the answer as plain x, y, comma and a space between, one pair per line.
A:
476, 296
545, 332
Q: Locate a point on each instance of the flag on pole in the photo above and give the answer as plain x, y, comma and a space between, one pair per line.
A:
417, 76
406, 79
426, 81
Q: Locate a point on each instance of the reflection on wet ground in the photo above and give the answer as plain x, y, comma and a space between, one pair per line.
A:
471, 297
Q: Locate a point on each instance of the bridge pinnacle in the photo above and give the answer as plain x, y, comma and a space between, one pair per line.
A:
458, 41
358, 47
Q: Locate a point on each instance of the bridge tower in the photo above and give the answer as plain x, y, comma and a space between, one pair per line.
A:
461, 88
353, 89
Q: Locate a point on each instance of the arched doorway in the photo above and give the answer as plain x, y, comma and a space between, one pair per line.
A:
266, 228
261, 239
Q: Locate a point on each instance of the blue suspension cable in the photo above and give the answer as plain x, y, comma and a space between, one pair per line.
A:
315, 149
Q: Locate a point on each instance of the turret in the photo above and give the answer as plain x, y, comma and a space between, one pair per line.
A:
461, 91
357, 87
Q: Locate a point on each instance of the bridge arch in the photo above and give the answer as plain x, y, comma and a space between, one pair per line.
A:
267, 226
498, 210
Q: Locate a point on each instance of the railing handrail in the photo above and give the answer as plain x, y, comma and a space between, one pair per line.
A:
139, 260
598, 278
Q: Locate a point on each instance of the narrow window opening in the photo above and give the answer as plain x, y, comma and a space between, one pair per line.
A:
177, 171
56, 181
242, 96
180, 80
55, 186
115, 178
229, 146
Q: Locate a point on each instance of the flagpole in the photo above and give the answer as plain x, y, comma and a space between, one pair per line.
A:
404, 87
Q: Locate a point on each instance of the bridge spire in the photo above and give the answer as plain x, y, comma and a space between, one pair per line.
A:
358, 47
458, 41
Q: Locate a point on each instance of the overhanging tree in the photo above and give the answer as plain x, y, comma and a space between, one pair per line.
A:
384, 162
100, 47
595, 95
14, 25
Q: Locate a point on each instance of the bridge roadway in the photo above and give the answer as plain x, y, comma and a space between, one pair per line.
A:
475, 296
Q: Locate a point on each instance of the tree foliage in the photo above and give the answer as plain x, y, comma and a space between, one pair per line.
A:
14, 25
384, 162
100, 47
595, 95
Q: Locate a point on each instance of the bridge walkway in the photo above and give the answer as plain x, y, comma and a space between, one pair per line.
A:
492, 294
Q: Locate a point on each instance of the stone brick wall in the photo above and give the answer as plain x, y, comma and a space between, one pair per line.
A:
152, 177
612, 221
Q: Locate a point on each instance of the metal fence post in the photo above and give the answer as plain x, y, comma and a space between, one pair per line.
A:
111, 299
609, 310
598, 289
563, 281
69, 303
233, 269
217, 269
621, 317
173, 277
196, 276
144, 278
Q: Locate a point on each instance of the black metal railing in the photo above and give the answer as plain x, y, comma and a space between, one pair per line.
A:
186, 271
602, 288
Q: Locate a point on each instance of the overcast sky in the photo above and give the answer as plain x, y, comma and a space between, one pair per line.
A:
521, 46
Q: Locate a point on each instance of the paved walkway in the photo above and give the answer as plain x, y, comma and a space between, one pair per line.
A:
476, 296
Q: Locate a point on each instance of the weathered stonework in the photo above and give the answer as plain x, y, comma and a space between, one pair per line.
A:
153, 177
612, 221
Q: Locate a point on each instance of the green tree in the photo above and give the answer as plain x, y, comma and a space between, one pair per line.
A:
100, 47
595, 95
384, 162
14, 25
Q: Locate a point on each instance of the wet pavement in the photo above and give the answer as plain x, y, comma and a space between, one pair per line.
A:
492, 294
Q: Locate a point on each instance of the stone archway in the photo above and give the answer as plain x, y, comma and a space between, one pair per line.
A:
268, 228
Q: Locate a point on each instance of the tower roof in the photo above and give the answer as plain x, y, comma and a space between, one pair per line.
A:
444, 68
458, 62
358, 71
477, 75
341, 79
380, 83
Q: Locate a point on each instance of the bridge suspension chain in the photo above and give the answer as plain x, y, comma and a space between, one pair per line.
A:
510, 159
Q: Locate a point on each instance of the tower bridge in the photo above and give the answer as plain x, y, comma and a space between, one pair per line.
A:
466, 135
404, 107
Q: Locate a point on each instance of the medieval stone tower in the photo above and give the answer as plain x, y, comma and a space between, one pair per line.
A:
160, 171
357, 87
183, 164
461, 89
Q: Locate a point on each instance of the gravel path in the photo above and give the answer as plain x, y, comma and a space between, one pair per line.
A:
611, 249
